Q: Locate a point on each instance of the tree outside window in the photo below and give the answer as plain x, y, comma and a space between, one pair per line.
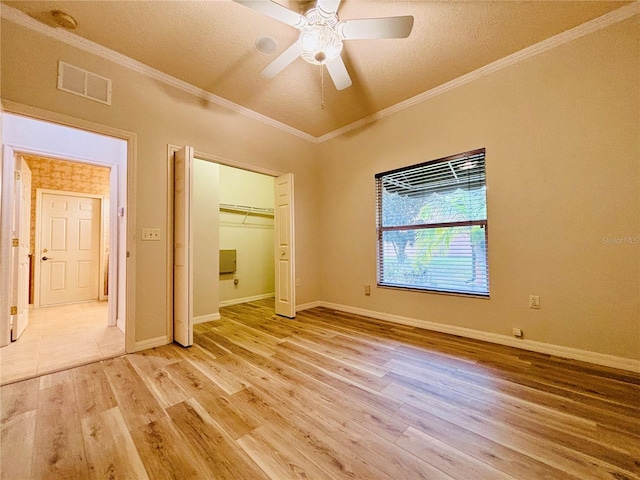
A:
432, 226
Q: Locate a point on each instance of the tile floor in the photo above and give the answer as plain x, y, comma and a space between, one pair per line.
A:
60, 337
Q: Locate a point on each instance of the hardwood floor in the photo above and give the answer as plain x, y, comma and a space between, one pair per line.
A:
60, 337
328, 395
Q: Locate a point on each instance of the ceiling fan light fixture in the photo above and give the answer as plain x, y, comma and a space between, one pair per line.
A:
319, 44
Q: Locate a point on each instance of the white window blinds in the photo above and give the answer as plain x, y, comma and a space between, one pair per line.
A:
432, 226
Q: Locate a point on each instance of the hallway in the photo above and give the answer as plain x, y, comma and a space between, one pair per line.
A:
60, 337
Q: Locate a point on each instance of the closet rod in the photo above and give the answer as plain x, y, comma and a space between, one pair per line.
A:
247, 210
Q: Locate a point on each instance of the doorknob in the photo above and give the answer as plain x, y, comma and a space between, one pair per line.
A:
45, 258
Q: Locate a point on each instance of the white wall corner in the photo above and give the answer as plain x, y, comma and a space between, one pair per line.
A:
530, 345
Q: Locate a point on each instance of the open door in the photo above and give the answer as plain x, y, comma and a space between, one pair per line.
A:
6, 231
182, 251
5, 332
21, 245
284, 246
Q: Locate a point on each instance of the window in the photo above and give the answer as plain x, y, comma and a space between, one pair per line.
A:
432, 226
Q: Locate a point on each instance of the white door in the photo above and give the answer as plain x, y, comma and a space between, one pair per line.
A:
69, 256
20, 247
284, 245
6, 231
182, 251
5, 327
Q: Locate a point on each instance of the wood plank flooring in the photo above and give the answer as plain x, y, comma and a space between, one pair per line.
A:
328, 395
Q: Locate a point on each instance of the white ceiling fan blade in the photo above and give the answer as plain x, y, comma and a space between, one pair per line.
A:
275, 10
371, 28
338, 72
283, 61
328, 7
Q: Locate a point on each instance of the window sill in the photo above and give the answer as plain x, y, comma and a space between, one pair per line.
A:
437, 292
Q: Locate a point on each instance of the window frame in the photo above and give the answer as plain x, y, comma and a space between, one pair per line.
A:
380, 229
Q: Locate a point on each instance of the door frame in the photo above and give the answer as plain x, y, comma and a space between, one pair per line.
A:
38, 242
171, 149
121, 205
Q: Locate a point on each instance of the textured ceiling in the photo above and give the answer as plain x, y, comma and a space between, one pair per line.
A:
211, 44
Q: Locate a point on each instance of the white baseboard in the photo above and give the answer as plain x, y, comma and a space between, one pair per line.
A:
206, 318
152, 343
235, 301
531, 345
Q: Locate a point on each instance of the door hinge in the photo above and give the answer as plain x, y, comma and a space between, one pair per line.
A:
15, 242
14, 310
17, 175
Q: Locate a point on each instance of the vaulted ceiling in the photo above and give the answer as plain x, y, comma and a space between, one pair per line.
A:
211, 44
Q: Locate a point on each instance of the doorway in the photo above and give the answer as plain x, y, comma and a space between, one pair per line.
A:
245, 233
196, 256
27, 137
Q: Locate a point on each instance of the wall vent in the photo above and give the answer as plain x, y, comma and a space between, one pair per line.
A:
81, 82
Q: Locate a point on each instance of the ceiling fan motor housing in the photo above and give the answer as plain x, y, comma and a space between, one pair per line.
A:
316, 16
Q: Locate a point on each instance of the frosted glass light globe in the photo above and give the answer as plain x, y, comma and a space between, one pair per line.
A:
319, 44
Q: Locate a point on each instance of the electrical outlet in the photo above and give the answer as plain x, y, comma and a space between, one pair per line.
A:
367, 289
151, 234
534, 301
517, 333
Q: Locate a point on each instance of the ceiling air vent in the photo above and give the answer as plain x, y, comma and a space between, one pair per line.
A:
86, 84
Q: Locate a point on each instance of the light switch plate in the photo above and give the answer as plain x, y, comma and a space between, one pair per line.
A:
151, 234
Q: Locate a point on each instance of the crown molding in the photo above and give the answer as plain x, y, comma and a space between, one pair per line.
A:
16, 16
22, 19
567, 36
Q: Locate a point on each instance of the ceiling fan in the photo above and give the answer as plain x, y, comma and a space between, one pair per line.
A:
322, 34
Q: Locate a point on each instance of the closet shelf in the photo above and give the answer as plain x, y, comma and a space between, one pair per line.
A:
247, 210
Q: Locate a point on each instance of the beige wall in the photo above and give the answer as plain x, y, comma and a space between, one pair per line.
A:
161, 115
561, 132
251, 237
